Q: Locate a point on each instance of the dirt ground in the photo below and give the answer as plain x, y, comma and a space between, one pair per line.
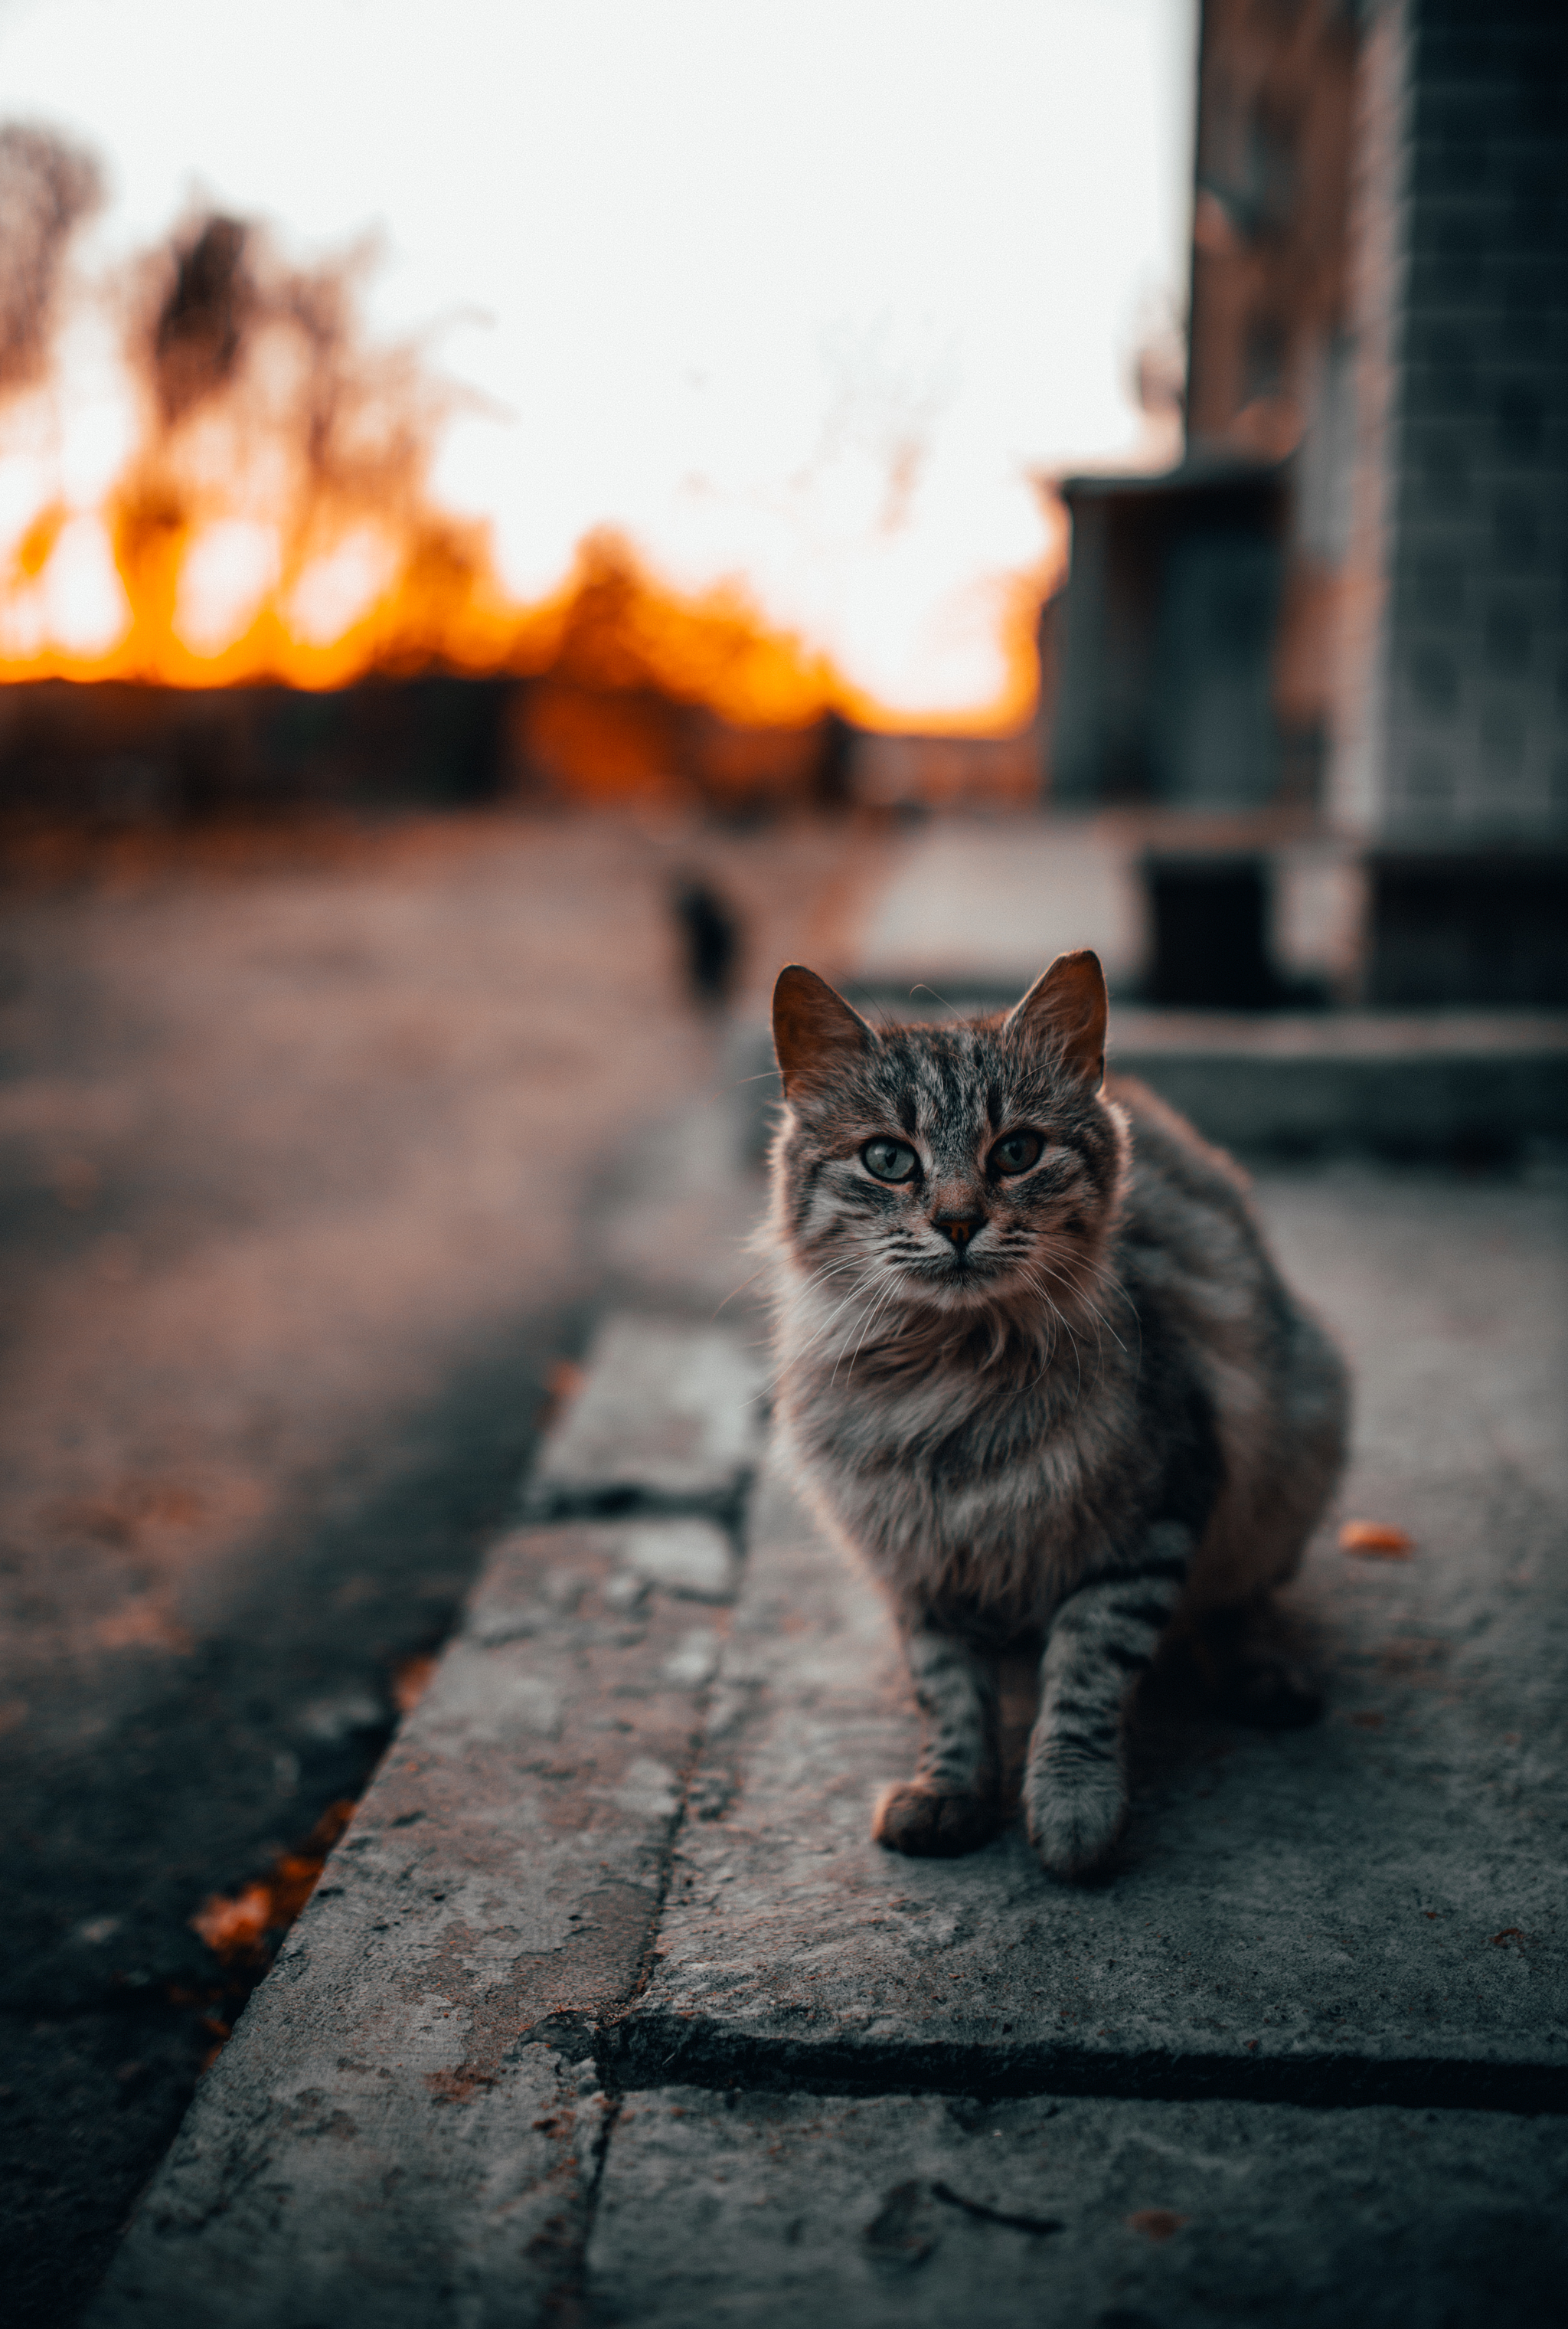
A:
301, 1130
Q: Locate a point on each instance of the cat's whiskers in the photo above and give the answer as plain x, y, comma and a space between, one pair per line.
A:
737, 1290
801, 1294
879, 1305
1077, 1291
951, 1008
1051, 1348
838, 1356
1114, 1286
863, 1279
880, 1295
1065, 1324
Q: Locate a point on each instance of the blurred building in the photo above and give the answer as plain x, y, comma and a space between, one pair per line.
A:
114, 752
1349, 603
947, 773
1169, 620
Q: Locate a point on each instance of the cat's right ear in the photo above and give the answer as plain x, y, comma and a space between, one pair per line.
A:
815, 1033
1065, 1010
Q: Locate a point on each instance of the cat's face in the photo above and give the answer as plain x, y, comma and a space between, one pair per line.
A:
956, 1168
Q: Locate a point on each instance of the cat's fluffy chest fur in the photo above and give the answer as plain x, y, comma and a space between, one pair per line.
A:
1036, 1368
985, 1477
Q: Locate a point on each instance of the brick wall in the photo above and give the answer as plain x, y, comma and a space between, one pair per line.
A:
1452, 715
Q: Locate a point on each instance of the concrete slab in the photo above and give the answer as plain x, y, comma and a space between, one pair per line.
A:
669, 1414
1373, 1908
398, 2132
806, 2212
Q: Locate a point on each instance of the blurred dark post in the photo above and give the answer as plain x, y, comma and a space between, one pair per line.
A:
834, 763
710, 938
456, 736
1209, 934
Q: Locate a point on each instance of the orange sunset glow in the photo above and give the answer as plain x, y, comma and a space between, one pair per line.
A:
722, 363
274, 521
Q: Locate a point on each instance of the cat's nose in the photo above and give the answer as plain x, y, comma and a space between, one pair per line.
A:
959, 1227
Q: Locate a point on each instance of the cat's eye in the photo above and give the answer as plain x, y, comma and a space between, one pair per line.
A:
890, 1160
1016, 1153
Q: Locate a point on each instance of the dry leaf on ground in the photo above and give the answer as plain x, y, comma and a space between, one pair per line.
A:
1156, 2223
236, 1929
411, 1683
1377, 1540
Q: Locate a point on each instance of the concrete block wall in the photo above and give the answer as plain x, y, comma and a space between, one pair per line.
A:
1454, 702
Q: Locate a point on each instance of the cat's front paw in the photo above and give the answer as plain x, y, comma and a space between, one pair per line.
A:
922, 1820
1074, 1814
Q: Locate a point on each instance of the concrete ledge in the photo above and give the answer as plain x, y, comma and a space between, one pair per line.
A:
1397, 1084
1401, 1084
401, 2131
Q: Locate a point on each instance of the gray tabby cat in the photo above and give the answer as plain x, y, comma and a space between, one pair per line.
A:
1036, 1367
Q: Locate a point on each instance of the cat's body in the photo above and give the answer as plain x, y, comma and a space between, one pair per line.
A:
1059, 1398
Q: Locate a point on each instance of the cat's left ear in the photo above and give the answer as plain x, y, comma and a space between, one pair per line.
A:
1065, 1010
814, 1031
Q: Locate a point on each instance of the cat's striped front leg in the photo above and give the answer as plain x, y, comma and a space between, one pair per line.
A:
951, 1805
1102, 1639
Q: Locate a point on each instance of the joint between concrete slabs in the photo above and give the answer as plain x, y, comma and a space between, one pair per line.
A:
637, 2057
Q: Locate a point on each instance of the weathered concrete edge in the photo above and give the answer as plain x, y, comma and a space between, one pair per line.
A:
666, 1422
639, 2050
548, 1504
223, 2127
228, 2136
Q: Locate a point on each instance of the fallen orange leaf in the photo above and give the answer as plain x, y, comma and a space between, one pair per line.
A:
411, 1683
230, 1927
562, 1384
1376, 1537
330, 1826
1156, 2223
236, 1930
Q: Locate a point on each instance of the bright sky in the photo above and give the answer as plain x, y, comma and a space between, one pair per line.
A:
716, 265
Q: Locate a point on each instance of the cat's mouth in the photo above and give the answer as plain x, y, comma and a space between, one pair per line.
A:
956, 1269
